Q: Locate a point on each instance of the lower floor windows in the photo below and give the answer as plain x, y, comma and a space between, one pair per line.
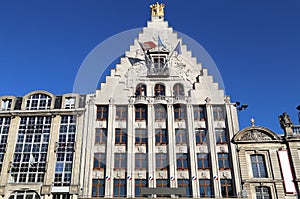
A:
98, 188
138, 185
226, 188
205, 188
185, 184
24, 195
61, 196
119, 188
263, 193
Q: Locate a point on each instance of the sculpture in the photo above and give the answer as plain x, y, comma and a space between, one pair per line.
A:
157, 9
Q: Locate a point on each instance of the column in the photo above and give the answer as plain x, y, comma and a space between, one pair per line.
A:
130, 151
151, 145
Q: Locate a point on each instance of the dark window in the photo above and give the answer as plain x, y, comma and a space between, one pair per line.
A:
182, 161
121, 113
185, 184
98, 189
162, 162
100, 137
205, 188
161, 136
120, 161
178, 90
219, 113
258, 164
140, 112
119, 188
138, 185
226, 188
160, 113
223, 160
199, 113
141, 136
120, 136
4, 127
99, 161
159, 62
159, 90
203, 160
221, 136
181, 137
162, 183
179, 112
200, 136
102, 112
263, 193
141, 90
141, 161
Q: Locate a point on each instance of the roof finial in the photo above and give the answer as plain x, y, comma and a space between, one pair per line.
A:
157, 10
252, 122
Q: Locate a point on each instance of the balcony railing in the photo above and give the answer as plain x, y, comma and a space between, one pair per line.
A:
296, 130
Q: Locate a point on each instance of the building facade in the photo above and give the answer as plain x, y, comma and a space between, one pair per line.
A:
159, 126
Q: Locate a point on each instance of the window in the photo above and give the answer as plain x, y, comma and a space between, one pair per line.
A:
102, 112
60, 196
141, 90
219, 113
70, 102
162, 162
38, 102
181, 137
203, 160
100, 137
121, 113
160, 113
29, 161
258, 164
6, 104
24, 195
263, 193
99, 161
140, 112
120, 161
141, 136
120, 136
199, 114
141, 161
182, 161
159, 90
221, 136
4, 128
159, 62
205, 188
98, 188
162, 183
161, 136
119, 188
178, 90
179, 112
200, 136
138, 185
227, 188
185, 184
223, 160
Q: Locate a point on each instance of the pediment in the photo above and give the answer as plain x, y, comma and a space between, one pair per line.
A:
256, 134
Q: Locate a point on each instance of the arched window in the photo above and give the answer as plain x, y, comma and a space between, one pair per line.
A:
159, 90
263, 193
24, 195
141, 90
258, 164
38, 102
178, 90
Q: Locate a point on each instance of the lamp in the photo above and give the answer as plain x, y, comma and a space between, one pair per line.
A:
298, 108
240, 107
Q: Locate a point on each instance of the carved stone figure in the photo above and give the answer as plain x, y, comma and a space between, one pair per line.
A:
157, 9
285, 120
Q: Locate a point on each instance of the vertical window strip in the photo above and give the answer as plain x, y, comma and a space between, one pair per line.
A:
4, 128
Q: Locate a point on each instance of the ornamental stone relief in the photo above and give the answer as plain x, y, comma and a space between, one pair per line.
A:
254, 135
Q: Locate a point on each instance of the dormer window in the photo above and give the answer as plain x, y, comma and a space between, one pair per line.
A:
38, 102
159, 62
6, 104
70, 102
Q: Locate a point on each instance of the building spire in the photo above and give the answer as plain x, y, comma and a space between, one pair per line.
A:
157, 10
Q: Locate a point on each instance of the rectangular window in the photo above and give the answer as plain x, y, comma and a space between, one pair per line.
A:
160, 113
179, 112
141, 136
70, 102
99, 161
98, 188
141, 161
162, 183
100, 137
223, 161
119, 188
102, 112
203, 160
182, 161
140, 112
227, 188
219, 113
263, 192
138, 185
199, 113
6, 104
4, 128
205, 188
181, 137
161, 136
185, 184
121, 113
162, 161
120, 136
120, 161
258, 164
200, 136
221, 136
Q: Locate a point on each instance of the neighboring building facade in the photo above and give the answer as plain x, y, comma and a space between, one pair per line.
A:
158, 126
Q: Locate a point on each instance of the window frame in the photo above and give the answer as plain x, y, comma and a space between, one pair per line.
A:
121, 113
102, 112
120, 161
101, 135
203, 162
223, 161
141, 111
258, 167
120, 134
179, 112
161, 161
199, 113
159, 90
161, 136
98, 185
182, 161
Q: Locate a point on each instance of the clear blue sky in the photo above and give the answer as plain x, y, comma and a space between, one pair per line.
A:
255, 44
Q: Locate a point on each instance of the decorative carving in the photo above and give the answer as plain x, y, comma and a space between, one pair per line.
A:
157, 10
207, 100
285, 120
227, 99
254, 135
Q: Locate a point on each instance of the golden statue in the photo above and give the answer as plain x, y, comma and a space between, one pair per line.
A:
157, 9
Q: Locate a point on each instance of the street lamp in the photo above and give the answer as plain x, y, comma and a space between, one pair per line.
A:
240, 107
298, 108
